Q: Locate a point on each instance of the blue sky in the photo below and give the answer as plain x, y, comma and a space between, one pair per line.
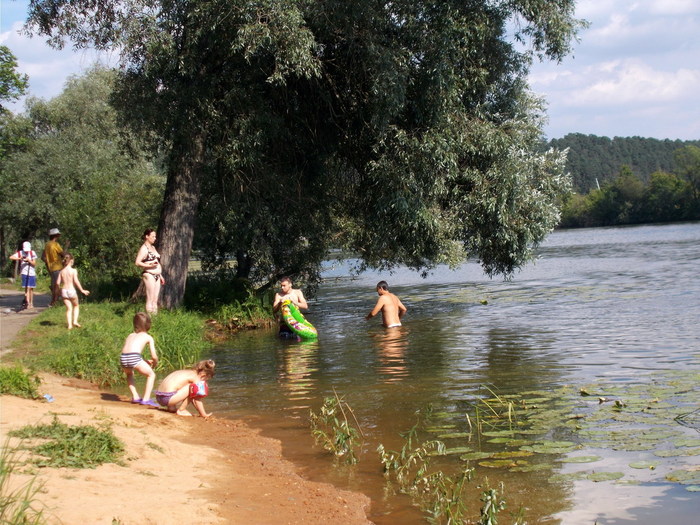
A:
635, 71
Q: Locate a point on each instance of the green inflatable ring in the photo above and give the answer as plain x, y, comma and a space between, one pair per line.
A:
296, 322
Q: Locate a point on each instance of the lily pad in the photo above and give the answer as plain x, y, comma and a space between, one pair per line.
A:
644, 464
475, 456
512, 454
580, 459
605, 476
532, 468
497, 463
693, 488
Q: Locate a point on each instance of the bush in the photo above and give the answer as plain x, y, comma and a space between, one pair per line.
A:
16, 382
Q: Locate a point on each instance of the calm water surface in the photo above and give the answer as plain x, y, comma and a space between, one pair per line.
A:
614, 305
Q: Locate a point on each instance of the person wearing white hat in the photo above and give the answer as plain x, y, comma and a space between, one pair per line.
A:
52, 257
27, 270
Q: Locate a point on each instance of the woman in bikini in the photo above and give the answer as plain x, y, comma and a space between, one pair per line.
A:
68, 282
148, 259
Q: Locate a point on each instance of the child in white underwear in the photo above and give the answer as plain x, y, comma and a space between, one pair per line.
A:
131, 359
68, 281
181, 386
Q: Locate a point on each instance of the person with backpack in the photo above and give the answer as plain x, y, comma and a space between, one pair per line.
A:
27, 270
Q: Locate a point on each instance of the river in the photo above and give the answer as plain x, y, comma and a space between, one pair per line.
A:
611, 312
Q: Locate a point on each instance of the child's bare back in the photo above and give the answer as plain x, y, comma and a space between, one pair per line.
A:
136, 341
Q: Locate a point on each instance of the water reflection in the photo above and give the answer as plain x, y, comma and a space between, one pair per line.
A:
297, 365
391, 344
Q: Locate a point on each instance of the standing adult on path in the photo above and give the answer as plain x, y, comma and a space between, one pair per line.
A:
53, 257
287, 293
148, 259
27, 270
390, 305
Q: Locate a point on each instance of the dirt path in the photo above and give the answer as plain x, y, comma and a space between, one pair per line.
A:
13, 318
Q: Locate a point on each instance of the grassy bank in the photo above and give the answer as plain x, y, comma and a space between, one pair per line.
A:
92, 352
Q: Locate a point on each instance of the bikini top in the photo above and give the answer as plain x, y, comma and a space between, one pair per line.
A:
151, 256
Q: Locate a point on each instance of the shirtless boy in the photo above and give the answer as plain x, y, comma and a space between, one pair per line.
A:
287, 293
131, 359
391, 307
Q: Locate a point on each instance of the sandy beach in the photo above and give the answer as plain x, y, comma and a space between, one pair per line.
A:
175, 469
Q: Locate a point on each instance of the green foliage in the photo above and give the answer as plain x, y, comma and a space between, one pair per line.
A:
16, 382
92, 352
627, 200
332, 430
18, 503
12, 84
84, 174
62, 445
591, 158
403, 131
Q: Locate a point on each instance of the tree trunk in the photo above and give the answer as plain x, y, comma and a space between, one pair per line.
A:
177, 218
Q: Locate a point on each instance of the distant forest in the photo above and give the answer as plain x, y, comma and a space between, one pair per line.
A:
592, 157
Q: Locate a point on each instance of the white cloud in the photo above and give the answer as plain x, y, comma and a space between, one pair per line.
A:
47, 68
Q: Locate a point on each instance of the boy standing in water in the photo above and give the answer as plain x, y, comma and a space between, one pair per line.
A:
131, 359
391, 307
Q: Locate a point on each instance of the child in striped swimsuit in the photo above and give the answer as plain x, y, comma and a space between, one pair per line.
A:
131, 359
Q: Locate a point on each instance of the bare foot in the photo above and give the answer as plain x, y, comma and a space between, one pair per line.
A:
70, 328
77, 324
183, 413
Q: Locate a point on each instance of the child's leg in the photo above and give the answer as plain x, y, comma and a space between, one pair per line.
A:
69, 312
30, 299
144, 368
76, 311
178, 403
130, 380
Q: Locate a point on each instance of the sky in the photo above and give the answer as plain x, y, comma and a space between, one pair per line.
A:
634, 72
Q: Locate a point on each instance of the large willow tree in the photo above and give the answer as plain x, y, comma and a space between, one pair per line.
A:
402, 130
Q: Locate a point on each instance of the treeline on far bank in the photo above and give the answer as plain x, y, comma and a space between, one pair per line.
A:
627, 199
594, 161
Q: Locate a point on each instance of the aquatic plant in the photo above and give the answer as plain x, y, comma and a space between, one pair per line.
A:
332, 430
442, 497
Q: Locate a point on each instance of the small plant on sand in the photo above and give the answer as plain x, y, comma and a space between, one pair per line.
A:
332, 430
71, 446
18, 503
16, 382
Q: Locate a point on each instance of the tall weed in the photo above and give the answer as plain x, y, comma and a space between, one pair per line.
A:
92, 352
16, 382
18, 504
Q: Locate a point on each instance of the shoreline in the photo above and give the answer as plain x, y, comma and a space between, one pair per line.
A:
174, 469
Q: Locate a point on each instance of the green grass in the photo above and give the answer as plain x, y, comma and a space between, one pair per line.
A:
62, 445
16, 382
92, 352
18, 504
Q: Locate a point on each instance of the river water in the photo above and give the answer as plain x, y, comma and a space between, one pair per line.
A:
615, 310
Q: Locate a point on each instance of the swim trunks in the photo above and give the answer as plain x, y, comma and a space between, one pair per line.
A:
164, 397
68, 293
395, 325
130, 360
